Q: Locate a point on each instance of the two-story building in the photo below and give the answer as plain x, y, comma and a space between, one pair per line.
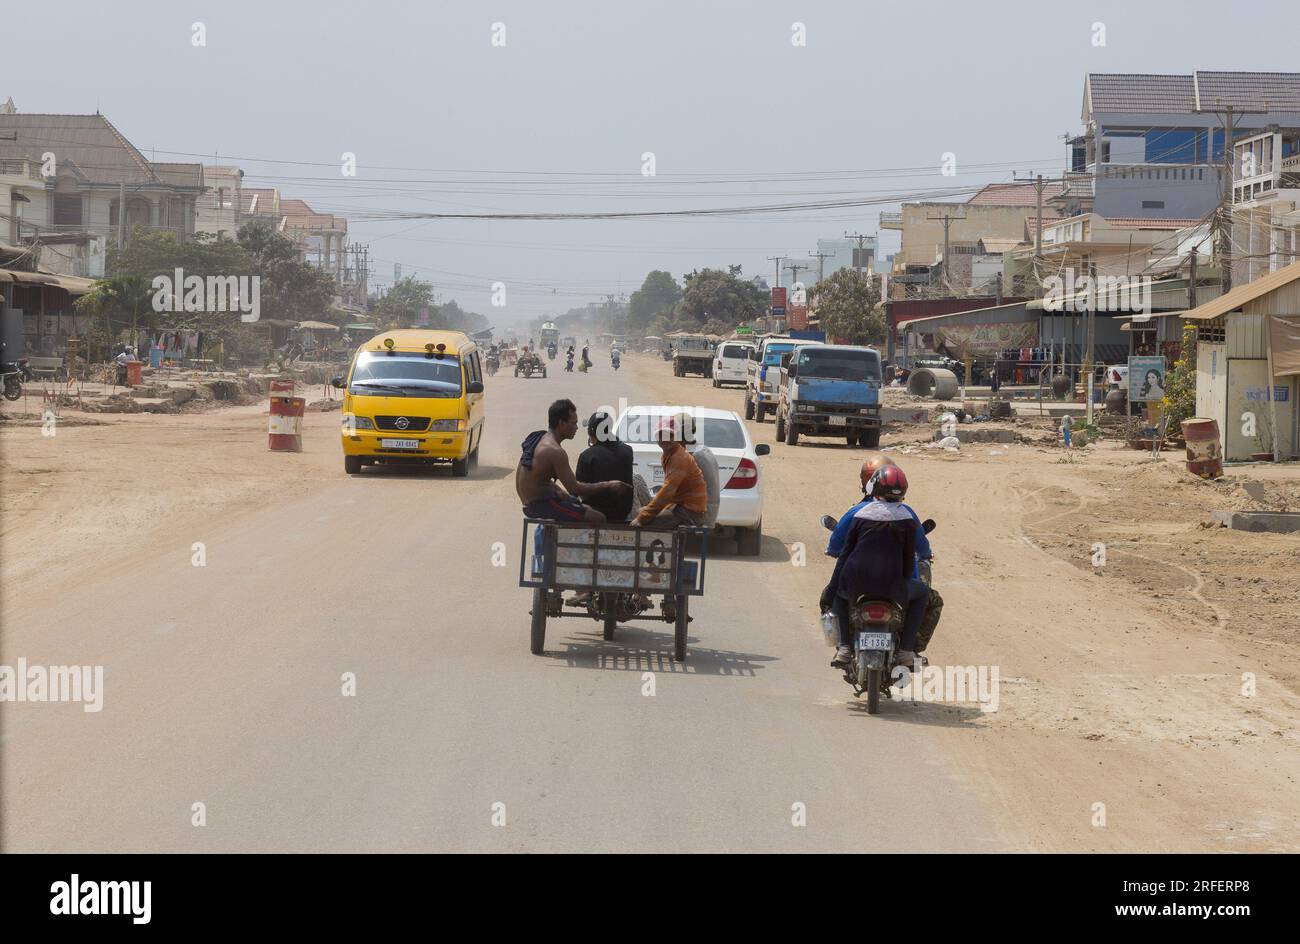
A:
67, 180
1154, 144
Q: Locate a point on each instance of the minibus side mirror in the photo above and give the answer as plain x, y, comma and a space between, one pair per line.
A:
475, 386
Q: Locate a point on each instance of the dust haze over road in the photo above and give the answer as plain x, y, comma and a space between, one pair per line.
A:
223, 682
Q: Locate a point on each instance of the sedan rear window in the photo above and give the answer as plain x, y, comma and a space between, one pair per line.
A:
714, 432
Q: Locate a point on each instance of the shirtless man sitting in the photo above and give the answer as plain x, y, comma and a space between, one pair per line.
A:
544, 466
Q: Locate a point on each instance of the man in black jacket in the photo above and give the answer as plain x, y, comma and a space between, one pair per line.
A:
607, 460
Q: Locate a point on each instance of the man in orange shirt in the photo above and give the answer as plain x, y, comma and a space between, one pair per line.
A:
684, 496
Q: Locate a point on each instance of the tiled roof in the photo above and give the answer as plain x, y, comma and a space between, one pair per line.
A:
90, 147
1183, 94
1017, 194
1161, 94
1130, 222
1278, 91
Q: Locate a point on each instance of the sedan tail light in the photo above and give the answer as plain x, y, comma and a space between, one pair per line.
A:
745, 476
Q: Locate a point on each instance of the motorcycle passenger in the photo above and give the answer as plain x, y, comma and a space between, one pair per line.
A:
545, 483
934, 605
879, 560
606, 459
684, 496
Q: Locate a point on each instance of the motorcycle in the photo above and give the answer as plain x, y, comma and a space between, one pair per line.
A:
493, 365
569, 364
14, 373
616, 361
877, 627
551, 351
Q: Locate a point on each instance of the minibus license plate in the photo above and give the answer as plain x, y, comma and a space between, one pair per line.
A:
400, 443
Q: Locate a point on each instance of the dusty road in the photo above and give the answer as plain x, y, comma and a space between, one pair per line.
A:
223, 682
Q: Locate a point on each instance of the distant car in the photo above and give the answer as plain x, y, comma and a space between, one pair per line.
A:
731, 363
740, 506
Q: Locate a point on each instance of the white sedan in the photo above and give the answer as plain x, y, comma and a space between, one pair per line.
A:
740, 506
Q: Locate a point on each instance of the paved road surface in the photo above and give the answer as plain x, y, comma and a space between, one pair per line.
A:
223, 688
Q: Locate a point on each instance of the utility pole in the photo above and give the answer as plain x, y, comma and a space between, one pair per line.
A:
121, 215
861, 238
794, 269
821, 262
1040, 183
947, 222
777, 260
1225, 114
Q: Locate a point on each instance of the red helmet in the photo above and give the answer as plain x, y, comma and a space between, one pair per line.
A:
871, 467
889, 484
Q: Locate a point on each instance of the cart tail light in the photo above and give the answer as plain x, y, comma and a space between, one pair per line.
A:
745, 476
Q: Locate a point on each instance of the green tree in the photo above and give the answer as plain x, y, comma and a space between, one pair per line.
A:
713, 295
846, 303
1179, 402
402, 303
291, 289
656, 296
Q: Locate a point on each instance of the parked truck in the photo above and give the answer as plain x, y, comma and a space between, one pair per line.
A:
830, 390
692, 354
761, 383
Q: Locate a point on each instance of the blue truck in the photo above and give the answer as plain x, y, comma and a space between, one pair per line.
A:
830, 390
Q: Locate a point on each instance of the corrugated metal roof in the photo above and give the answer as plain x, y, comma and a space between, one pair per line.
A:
1245, 293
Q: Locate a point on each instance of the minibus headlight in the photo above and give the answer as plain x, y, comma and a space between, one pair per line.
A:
447, 426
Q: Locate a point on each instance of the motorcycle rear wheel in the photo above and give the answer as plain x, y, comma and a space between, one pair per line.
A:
873, 691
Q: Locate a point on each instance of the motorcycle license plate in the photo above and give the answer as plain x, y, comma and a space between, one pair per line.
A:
838, 421
400, 443
875, 641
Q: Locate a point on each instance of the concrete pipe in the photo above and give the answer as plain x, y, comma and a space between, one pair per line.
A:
932, 382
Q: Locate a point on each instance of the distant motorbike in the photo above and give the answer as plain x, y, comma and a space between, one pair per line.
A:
568, 365
877, 627
615, 360
551, 351
14, 373
493, 364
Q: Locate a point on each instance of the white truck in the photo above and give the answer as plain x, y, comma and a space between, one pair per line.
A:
692, 354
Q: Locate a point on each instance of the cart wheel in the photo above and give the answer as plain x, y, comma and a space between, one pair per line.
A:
679, 631
538, 642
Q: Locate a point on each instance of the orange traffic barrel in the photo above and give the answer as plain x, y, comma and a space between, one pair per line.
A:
1204, 450
285, 433
133, 373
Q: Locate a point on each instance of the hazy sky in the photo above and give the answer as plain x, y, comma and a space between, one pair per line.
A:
557, 119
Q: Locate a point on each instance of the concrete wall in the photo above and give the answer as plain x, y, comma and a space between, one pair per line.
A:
1187, 191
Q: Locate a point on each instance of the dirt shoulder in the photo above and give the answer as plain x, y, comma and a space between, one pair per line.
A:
1124, 722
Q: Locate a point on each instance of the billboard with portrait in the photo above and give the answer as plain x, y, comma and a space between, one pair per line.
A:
1146, 379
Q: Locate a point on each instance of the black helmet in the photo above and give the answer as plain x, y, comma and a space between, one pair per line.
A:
599, 426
